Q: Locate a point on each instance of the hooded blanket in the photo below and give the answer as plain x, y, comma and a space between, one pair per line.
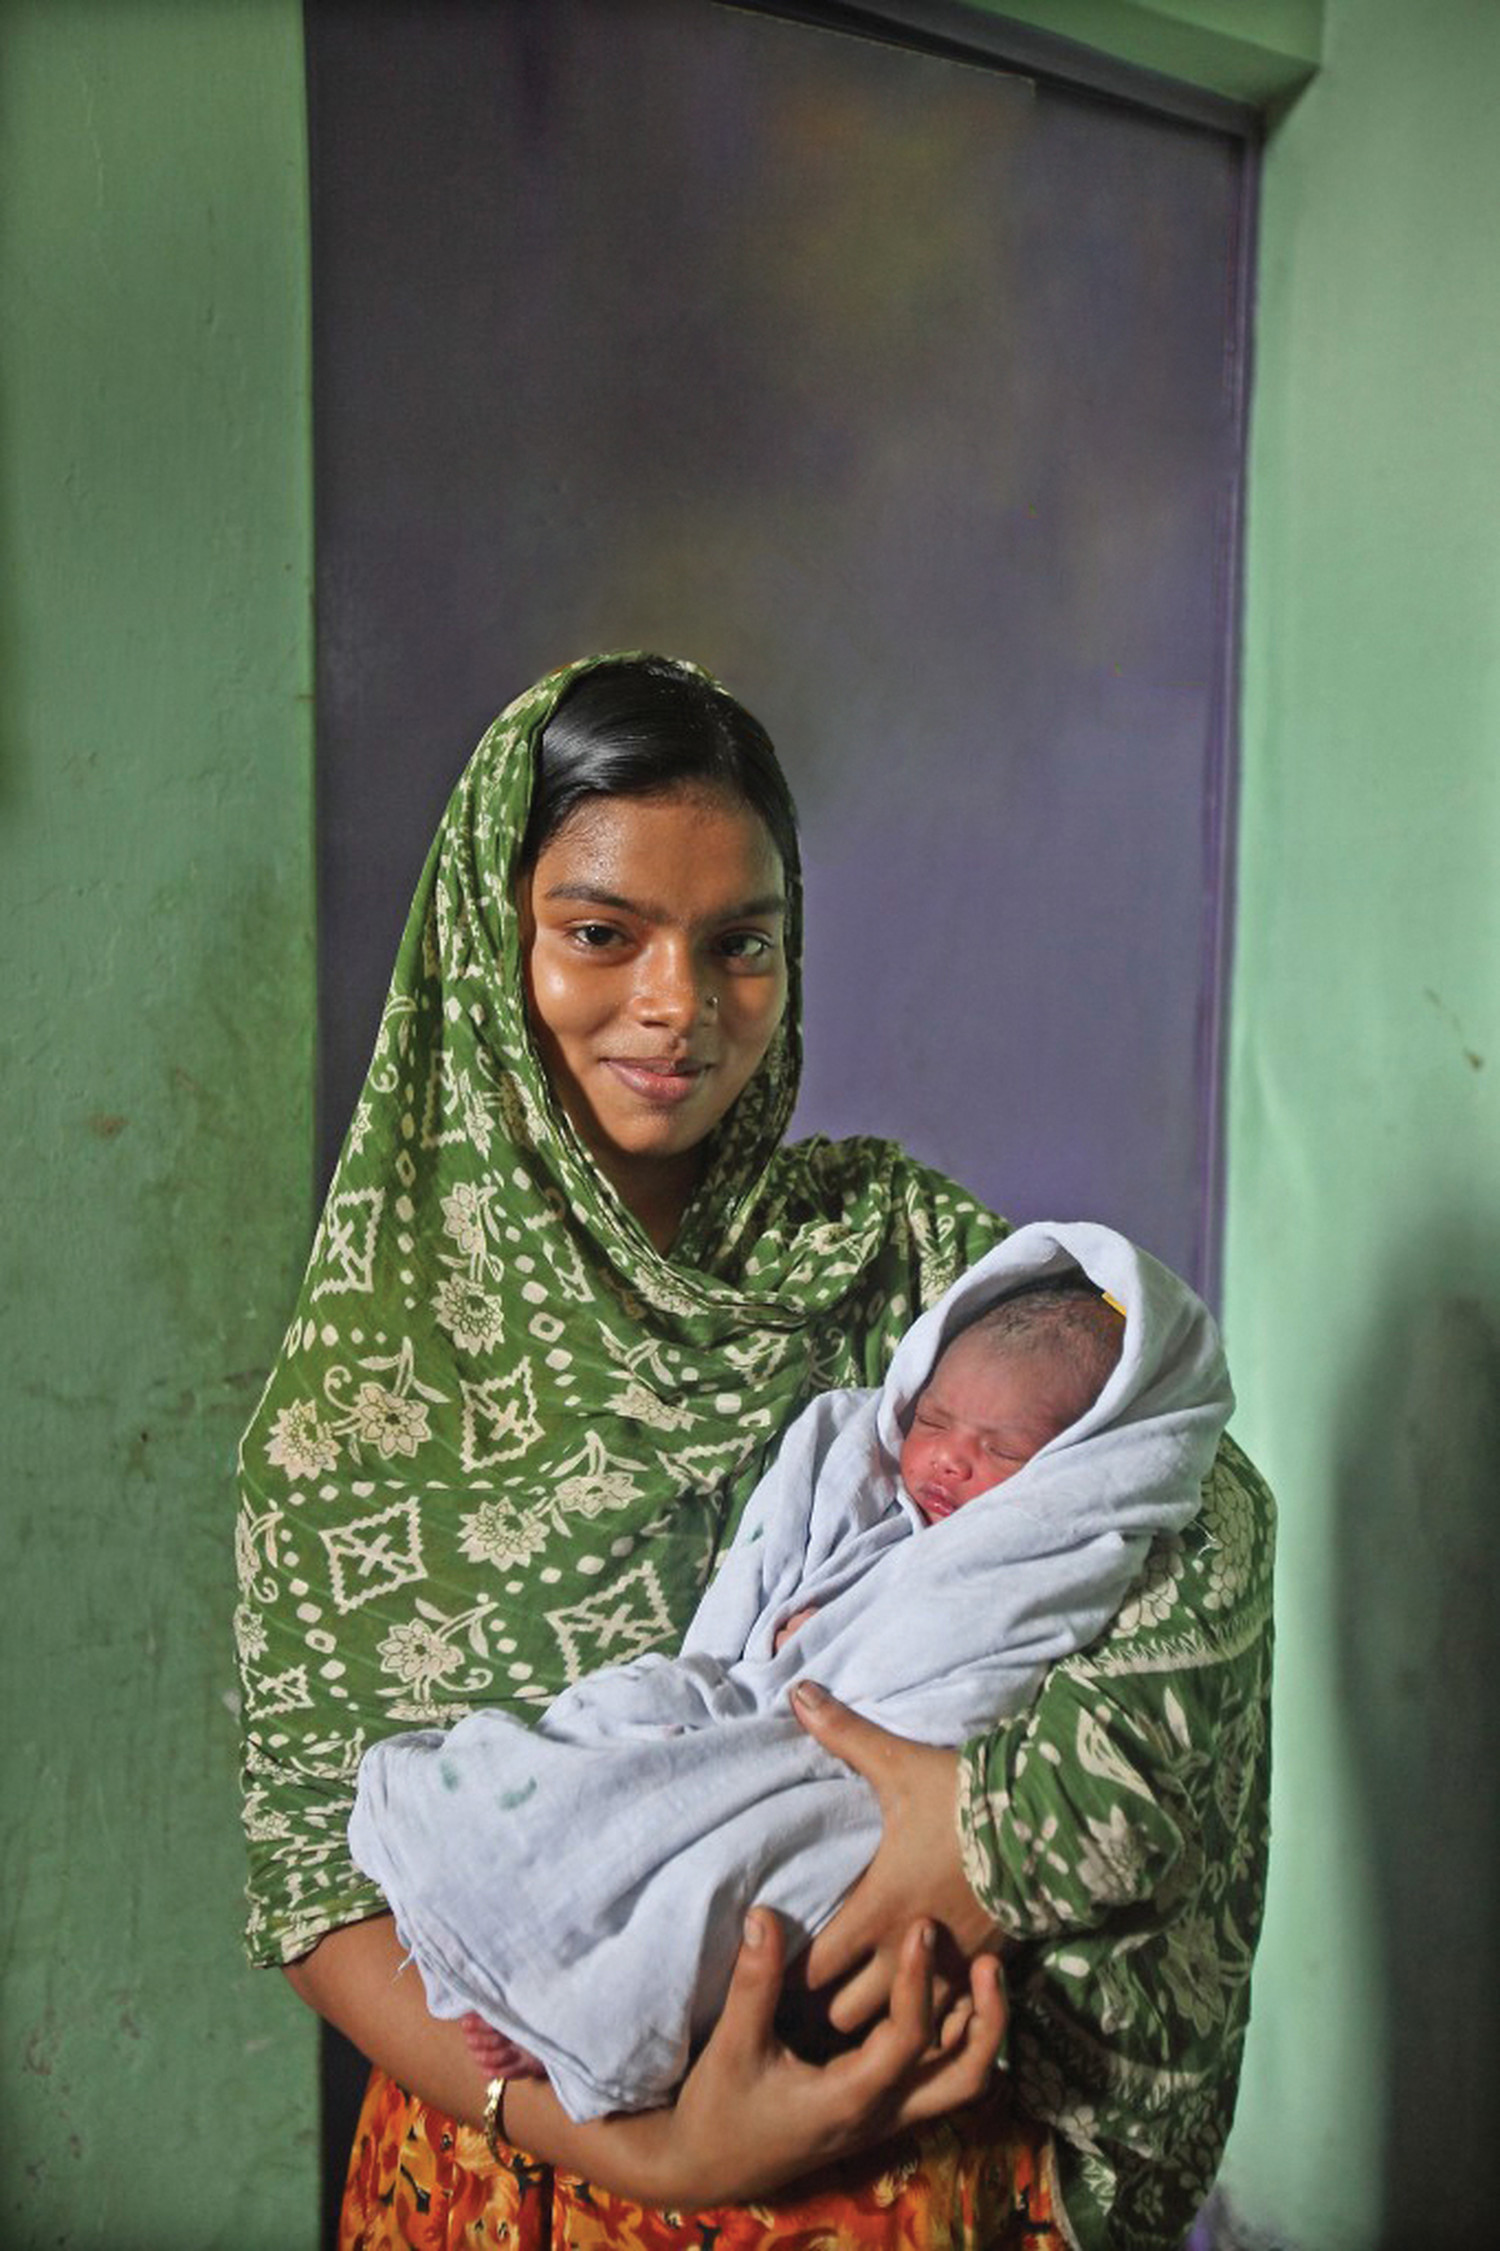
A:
583, 1884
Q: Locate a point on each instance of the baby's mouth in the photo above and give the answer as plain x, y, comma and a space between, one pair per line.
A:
934, 1501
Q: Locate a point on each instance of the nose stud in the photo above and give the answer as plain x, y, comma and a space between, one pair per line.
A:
713, 1002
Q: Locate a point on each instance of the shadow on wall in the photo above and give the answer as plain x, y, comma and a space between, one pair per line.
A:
1417, 1667
1418, 1657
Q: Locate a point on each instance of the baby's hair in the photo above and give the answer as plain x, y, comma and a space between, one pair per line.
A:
1064, 1313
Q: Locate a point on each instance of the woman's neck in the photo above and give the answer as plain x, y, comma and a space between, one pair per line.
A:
656, 1191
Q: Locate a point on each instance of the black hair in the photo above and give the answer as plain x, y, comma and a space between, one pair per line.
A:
1065, 1313
645, 727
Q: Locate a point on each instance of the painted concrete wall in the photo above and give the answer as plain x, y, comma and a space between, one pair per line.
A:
154, 1075
1363, 1254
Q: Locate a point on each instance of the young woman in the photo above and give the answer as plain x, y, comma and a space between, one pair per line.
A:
568, 1289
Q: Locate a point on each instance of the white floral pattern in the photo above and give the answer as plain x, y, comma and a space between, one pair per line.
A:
383, 1419
1112, 1863
249, 1633
1155, 1595
417, 1655
500, 1532
1232, 1520
300, 1444
472, 1317
465, 1211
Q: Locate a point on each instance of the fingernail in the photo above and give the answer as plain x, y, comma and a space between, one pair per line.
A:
755, 1934
808, 1692
929, 1938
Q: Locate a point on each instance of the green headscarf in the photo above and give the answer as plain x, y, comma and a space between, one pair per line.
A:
505, 1435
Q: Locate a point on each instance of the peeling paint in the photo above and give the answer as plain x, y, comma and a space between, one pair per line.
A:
39, 2054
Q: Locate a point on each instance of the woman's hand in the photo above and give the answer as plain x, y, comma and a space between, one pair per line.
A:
917, 1873
751, 2116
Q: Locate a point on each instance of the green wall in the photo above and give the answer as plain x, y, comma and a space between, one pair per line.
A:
1363, 1256
156, 973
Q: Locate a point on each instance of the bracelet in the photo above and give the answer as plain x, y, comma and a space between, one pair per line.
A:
494, 2116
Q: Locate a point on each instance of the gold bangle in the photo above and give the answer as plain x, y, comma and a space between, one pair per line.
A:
494, 2116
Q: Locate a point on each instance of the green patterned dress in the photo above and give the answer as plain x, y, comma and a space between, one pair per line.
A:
506, 1438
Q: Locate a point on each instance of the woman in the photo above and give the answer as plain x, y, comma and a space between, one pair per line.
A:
567, 1291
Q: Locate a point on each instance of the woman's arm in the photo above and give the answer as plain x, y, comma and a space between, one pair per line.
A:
362, 1981
789, 2117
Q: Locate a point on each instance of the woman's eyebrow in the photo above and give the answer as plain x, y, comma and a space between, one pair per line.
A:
594, 895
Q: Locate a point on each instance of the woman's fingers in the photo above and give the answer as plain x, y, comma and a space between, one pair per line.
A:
917, 1872
872, 1751
919, 2062
857, 1942
954, 2025
790, 2116
747, 2021
869, 2084
961, 2071
911, 2007
861, 1995
905, 2070
860, 1998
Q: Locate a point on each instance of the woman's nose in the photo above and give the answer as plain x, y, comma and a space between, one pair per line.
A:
673, 989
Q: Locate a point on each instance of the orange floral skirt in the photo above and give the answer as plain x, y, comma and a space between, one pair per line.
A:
980, 2181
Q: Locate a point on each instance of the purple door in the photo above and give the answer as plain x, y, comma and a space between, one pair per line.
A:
903, 392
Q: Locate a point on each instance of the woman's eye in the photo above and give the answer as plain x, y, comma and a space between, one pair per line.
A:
746, 945
594, 935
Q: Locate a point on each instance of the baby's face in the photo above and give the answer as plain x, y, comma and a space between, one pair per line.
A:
984, 1413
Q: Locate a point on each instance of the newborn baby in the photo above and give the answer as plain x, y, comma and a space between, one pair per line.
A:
1003, 1389
582, 1884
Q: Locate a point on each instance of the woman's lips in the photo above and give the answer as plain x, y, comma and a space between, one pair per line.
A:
661, 1080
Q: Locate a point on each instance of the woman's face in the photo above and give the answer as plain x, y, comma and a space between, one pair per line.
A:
652, 934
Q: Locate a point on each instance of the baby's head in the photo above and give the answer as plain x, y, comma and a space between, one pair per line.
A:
1004, 1386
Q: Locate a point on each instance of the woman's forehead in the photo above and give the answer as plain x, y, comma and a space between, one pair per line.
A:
690, 847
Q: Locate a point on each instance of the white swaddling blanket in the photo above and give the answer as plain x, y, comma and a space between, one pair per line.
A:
582, 1884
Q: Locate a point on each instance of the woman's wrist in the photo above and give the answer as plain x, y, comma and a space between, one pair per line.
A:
360, 1980
629, 2155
